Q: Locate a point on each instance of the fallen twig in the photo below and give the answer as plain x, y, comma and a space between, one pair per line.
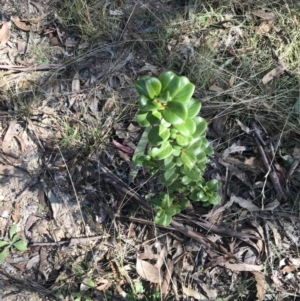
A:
42, 67
27, 284
271, 171
69, 242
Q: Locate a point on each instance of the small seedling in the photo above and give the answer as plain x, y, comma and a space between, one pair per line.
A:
178, 149
14, 241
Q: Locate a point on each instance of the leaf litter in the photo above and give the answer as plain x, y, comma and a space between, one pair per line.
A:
198, 258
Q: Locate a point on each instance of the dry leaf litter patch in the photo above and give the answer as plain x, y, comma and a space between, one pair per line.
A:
59, 193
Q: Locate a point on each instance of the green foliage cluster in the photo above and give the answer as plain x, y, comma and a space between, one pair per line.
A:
14, 241
178, 146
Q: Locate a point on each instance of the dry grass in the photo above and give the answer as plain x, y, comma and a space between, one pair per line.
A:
224, 49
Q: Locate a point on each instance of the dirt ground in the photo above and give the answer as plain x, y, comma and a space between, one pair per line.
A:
68, 134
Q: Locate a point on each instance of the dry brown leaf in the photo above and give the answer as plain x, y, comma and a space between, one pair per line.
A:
109, 104
260, 285
244, 203
271, 206
252, 163
131, 233
22, 144
295, 20
263, 14
148, 67
215, 88
9, 170
162, 257
20, 24
296, 153
276, 235
9, 136
148, 271
260, 243
75, 89
5, 33
219, 124
192, 293
33, 261
232, 149
251, 207
21, 46
264, 28
55, 203
295, 262
247, 255
216, 212
243, 127
231, 81
106, 284
273, 73
16, 213
242, 267
43, 264
239, 174
167, 276
209, 291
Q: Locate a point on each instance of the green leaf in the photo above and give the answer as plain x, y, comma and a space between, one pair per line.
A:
185, 91
148, 86
169, 176
206, 146
139, 289
182, 205
193, 107
187, 128
158, 134
164, 97
201, 126
3, 254
21, 245
215, 198
162, 219
186, 180
202, 196
179, 161
201, 156
181, 140
176, 150
170, 82
164, 151
141, 118
195, 173
12, 231
172, 211
139, 159
153, 86
196, 146
3, 243
156, 203
175, 112
170, 164
176, 187
188, 158
154, 117
15, 238
213, 185
146, 104
164, 123
166, 200
209, 150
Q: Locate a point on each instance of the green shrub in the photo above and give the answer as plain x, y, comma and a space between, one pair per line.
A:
178, 147
14, 241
